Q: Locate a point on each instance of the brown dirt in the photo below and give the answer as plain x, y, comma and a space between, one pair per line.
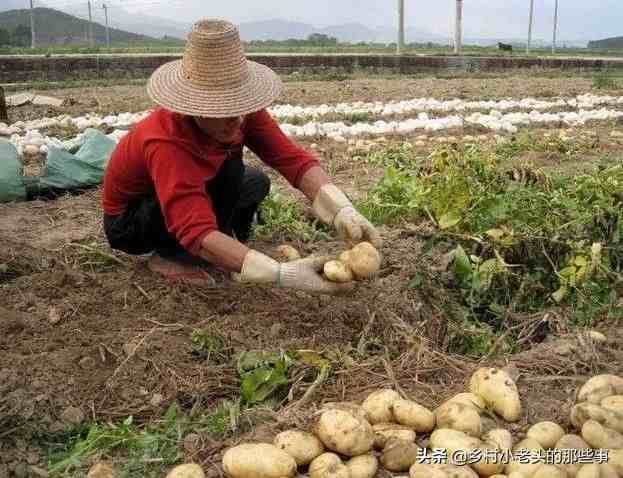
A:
68, 314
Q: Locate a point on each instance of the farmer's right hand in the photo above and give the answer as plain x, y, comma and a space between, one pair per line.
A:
301, 274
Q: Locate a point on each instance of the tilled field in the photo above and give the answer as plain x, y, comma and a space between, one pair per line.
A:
92, 336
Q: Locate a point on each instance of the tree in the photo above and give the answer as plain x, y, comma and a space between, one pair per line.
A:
5, 37
21, 36
320, 39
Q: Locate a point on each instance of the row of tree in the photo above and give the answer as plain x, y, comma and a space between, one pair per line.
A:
19, 36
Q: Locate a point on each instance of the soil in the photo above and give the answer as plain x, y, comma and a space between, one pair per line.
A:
91, 335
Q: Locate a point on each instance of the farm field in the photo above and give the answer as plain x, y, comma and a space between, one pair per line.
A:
499, 201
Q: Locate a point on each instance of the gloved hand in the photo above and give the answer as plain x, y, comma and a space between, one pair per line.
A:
332, 206
301, 274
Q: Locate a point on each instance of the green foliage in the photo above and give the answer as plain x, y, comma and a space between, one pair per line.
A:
605, 80
209, 346
262, 374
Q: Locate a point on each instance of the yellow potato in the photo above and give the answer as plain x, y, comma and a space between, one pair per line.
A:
546, 433
301, 446
597, 470
498, 390
441, 471
549, 471
613, 403
600, 387
571, 442
585, 411
364, 260
327, 465
286, 253
344, 432
524, 466
187, 470
350, 407
413, 415
598, 436
466, 398
399, 455
378, 405
258, 460
384, 431
458, 416
499, 438
337, 271
363, 466
456, 443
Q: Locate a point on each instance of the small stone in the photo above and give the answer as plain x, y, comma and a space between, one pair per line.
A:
156, 400
21, 470
72, 416
54, 315
87, 363
35, 470
101, 470
275, 329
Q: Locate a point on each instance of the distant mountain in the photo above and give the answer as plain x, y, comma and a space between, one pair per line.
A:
54, 27
607, 44
6, 5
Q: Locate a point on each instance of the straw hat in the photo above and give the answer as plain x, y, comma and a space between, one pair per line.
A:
214, 79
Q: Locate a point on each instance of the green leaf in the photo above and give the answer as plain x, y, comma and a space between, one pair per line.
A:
448, 220
262, 373
560, 294
416, 282
128, 421
311, 358
462, 265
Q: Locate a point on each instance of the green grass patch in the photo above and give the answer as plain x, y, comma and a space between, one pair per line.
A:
606, 80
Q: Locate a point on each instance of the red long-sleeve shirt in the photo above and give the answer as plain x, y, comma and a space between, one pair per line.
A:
166, 153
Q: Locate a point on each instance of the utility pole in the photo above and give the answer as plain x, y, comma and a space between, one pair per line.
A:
32, 26
90, 25
555, 27
401, 27
105, 7
530, 26
458, 27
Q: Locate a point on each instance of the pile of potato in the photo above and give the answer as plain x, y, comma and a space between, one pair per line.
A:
362, 262
349, 440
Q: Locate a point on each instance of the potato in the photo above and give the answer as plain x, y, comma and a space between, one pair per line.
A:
470, 399
413, 415
187, 470
597, 336
571, 442
345, 257
597, 470
585, 411
530, 466
378, 405
350, 407
598, 436
441, 471
490, 460
615, 460
344, 433
364, 260
363, 466
301, 446
549, 471
499, 438
258, 460
613, 403
600, 387
546, 433
384, 431
337, 271
498, 390
459, 416
286, 253
399, 455
327, 465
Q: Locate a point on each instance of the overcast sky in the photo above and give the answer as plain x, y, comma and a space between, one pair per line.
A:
579, 19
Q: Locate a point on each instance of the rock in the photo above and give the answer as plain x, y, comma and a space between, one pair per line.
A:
87, 363
156, 400
54, 315
101, 470
72, 416
275, 329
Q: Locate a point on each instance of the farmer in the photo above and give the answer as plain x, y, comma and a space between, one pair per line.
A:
176, 184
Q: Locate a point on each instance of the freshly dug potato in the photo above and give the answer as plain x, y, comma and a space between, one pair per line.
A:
187, 470
337, 271
364, 260
549, 471
287, 253
585, 411
571, 442
344, 433
258, 460
467, 398
459, 416
441, 471
499, 438
384, 431
615, 460
614, 403
378, 405
350, 407
546, 433
597, 336
302, 446
598, 436
413, 415
597, 470
490, 461
363, 466
527, 469
600, 387
327, 465
498, 390
399, 455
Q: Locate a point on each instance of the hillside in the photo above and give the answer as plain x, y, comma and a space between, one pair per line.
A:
57, 28
607, 44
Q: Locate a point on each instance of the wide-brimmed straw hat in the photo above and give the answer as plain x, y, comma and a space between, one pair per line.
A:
214, 79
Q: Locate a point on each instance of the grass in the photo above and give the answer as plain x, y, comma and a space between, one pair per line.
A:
607, 80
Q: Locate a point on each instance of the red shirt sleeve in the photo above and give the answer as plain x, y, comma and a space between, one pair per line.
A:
180, 186
264, 137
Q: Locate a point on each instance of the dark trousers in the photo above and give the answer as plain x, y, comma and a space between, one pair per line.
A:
236, 193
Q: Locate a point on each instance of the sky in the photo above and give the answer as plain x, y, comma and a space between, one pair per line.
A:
579, 19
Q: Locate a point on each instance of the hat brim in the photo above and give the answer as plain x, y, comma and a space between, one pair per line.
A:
169, 88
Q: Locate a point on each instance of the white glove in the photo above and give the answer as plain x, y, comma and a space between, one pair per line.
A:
301, 274
332, 206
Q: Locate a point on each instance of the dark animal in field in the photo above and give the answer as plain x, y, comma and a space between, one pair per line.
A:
505, 47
